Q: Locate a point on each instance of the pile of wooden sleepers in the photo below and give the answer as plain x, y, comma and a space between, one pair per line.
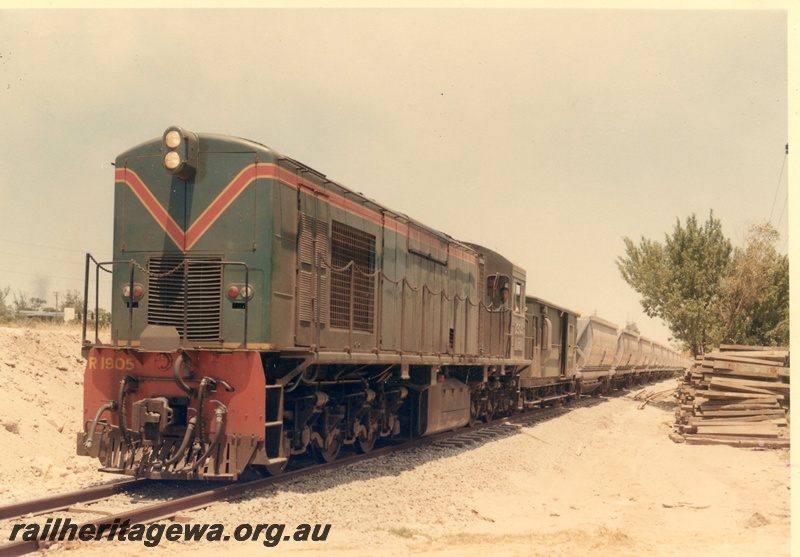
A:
737, 395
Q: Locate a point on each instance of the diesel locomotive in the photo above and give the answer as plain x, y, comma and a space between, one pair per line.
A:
261, 310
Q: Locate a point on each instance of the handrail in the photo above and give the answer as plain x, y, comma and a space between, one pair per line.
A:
107, 266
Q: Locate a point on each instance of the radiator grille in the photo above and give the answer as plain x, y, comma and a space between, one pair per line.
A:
350, 244
168, 298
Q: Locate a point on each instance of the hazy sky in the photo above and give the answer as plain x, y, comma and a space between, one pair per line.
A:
547, 135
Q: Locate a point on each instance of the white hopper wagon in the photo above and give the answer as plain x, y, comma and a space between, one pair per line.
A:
597, 350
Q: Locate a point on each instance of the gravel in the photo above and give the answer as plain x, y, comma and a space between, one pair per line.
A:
603, 478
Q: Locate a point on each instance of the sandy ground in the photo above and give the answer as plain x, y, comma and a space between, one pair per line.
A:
603, 479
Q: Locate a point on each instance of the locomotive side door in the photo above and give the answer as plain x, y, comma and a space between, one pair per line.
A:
517, 344
569, 346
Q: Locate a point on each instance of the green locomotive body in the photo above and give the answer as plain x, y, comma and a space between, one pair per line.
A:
261, 310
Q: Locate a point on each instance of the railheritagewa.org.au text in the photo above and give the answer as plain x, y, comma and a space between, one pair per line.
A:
150, 535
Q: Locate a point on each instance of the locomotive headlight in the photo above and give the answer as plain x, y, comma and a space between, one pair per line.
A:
247, 292
172, 160
172, 139
181, 152
126, 291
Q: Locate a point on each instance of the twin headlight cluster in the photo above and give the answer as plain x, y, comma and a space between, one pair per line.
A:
180, 152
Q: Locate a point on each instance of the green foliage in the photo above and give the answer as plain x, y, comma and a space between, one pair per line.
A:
632, 327
5, 311
104, 318
679, 281
755, 296
73, 299
706, 291
22, 302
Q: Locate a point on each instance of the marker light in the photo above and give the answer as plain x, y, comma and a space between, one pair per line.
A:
138, 291
233, 291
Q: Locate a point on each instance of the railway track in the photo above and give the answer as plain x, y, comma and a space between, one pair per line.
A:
167, 510
64, 501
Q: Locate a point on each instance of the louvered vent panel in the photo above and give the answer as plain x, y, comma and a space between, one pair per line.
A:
313, 254
168, 297
306, 239
304, 311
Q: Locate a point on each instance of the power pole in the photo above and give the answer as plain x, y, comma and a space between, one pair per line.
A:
56, 293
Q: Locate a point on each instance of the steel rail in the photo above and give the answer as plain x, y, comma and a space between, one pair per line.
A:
63, 501
231, 492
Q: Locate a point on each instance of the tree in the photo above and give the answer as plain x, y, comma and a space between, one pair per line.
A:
104, 318
5, 312
23, 303
680, 280
755, 296
74, 300
709, 293
632, 327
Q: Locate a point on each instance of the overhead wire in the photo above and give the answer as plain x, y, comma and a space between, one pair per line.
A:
74, 279
37, 257
58, 248
780, 218
777, 188
785, 201
26, 256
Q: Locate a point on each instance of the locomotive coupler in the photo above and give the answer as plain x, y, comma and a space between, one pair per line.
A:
151, 417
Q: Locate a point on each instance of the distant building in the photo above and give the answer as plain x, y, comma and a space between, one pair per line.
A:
43, 315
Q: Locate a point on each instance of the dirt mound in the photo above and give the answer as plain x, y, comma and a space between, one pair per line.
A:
41, 391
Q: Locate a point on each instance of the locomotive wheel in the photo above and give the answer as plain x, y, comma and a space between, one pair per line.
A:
473, 414
490, 410
277, 469
366, 441
328, 455
265, 470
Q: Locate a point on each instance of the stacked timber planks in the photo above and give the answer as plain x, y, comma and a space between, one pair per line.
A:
737, 395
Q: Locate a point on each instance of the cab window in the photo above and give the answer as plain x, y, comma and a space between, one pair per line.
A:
497, 294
